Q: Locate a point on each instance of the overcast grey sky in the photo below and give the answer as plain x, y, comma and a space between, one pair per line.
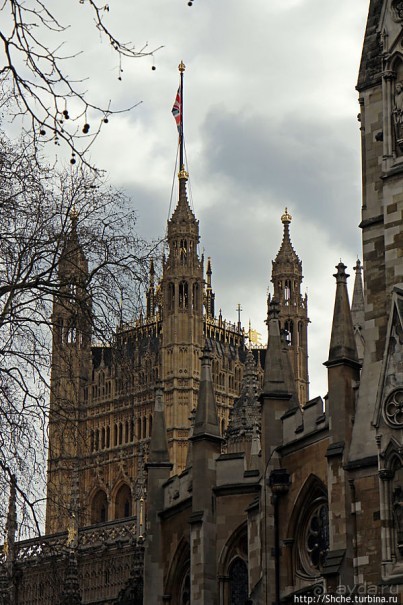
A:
270, 121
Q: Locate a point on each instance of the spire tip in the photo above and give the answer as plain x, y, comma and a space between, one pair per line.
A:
286, 218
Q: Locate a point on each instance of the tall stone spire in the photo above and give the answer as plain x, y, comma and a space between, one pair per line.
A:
342, 341
343, 377
275, 369
286, 256
358, 311
209, 294
151, 291
206, 420
293, 307
182, 223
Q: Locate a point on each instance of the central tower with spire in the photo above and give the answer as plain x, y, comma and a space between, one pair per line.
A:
182, 322
287, 279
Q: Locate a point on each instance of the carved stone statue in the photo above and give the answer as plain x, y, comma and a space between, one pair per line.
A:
397, 500
398, 110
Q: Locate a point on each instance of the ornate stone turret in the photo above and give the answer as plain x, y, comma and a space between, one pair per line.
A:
245, 416
182, 286
287, 278
71, 361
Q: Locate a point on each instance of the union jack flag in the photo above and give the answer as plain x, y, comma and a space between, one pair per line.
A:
177, 110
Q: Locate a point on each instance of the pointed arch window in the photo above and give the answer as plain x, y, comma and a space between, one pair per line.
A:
287, 291
238, 582
183, 295
123, 502
99, 507
185, 591
171, 296
289, 328
311, 529
196, 298
391, 496
183, 251
71, 335
300, 334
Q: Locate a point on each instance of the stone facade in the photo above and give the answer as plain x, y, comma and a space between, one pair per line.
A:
242, 489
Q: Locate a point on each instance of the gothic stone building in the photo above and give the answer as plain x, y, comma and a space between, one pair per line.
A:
188, 468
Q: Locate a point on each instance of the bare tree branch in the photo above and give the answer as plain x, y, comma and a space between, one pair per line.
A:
34, 73
44, 217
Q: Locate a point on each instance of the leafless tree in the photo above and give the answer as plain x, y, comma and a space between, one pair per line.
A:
38, 214
34, 72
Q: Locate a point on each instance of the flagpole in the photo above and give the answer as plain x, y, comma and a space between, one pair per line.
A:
181, 68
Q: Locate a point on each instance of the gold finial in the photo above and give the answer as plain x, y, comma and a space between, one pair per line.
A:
286, 217
181, 67
182, 174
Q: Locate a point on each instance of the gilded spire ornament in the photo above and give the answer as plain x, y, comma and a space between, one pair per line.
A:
286, 218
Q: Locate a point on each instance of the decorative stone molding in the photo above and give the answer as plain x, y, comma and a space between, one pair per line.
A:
386, 474
313, 539
397, 10
393, 409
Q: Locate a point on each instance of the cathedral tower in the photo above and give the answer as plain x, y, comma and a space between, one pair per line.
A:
287, 278
71, 355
